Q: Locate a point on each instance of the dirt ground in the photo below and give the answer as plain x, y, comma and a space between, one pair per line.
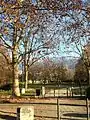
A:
45, 108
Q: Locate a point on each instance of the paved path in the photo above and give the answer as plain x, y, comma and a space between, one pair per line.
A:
70, 109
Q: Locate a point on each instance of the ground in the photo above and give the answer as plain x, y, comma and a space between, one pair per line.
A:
45, 108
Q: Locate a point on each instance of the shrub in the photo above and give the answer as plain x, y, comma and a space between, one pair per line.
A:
6, 87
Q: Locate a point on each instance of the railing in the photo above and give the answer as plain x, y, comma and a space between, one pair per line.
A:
67, 109
60, 91
54, 108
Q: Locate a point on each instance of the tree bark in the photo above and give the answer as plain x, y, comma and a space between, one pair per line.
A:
25, 72
26, 77
26, 65
16, 89
88, 75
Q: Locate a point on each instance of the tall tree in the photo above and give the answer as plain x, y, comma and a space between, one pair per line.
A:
16, 14
11, 34
15, 17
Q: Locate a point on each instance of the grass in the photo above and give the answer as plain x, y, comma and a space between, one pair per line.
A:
6, 89
5, 92
30, 92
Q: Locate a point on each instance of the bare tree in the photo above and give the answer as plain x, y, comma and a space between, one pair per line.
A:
16, 16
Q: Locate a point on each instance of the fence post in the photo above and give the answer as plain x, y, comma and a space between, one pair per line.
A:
58, 110
54, 92
67, 92
87, 106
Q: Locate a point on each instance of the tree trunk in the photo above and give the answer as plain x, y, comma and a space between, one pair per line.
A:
25, 73
16, 90
26, 65
26, 76
88, 75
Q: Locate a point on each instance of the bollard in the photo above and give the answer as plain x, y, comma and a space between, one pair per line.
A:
43, 91
25, 113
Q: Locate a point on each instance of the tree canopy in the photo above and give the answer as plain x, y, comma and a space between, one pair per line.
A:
38, 27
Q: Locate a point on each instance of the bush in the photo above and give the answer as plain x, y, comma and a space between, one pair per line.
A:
6, 87
22, 85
